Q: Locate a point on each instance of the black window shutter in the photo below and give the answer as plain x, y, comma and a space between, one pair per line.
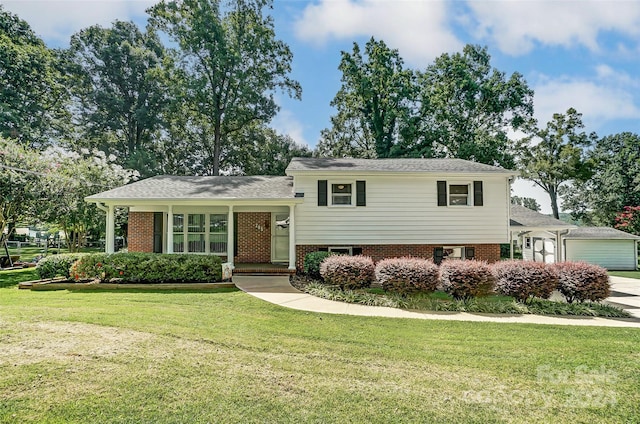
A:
361, 193
477, 194
322, 192
323, 249
442, 193
470, 252
438, 254
356, 251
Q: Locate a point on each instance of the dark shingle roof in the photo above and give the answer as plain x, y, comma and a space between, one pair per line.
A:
525, 217
166, 187
603, 233
393, 165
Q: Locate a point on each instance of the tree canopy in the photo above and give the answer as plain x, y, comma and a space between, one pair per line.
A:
231, 65
119, 96
555, 155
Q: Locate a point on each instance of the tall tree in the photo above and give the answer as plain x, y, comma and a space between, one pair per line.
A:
373, 103
118, 91
468, 107
21, 171
75, 176
232, 65
555, 155
615, 182
32, 97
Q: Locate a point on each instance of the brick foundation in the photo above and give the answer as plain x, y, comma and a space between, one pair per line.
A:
254, 237
485, 252
140, 232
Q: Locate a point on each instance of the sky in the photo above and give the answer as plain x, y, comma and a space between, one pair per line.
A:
582, 54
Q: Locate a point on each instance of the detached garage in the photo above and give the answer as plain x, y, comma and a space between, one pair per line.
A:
610, 248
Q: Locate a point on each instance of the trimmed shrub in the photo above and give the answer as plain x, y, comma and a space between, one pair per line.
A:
348, 272
148, 268
57, 265
312, 263
464, 279
407, 275
525, 280
580, 281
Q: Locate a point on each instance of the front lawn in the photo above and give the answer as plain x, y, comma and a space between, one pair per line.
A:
627, 274
128, 356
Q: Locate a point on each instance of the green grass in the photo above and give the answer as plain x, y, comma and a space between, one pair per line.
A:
627, 274
130, 357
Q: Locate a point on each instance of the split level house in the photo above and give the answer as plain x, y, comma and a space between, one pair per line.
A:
431, 208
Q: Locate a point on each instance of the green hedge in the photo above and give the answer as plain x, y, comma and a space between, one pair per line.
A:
312, 263
148, 268
57, 265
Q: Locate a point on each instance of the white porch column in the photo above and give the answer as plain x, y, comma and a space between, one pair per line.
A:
230, 236
170, 230
292, 237
110, 244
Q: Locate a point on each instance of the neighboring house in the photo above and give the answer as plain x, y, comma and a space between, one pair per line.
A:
440, 208
546, 239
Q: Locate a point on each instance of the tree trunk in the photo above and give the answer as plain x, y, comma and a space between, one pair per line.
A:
554, 203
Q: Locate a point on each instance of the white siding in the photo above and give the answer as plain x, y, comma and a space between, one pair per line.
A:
610, 254
402, 210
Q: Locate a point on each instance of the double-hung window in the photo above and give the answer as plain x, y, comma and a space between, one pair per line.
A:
458, 194
218, 233
341, 194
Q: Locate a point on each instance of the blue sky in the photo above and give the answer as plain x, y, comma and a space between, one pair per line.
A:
582, 54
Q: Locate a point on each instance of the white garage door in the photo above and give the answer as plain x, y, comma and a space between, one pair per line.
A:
610, 254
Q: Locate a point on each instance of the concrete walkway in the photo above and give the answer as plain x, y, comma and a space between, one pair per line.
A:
625, 293
277, 290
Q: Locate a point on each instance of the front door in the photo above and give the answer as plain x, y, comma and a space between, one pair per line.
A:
280, 237
158, 218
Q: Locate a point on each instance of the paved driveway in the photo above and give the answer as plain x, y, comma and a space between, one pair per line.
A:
625, 292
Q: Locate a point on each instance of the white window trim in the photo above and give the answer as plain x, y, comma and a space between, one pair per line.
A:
330, 184
469, 185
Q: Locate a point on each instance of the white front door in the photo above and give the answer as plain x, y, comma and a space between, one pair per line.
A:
280, 237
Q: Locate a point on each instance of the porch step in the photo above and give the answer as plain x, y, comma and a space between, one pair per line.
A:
262, 269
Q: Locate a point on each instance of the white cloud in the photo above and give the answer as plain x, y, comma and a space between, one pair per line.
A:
607, 96
516, 26
56, 20
287, 123
419, 29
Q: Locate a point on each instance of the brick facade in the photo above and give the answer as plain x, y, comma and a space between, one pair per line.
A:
254, 237
485, 252
140, 232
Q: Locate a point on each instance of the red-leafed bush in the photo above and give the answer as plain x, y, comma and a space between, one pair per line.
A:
465, 279
407, 275
580, 281
348, 272
525, 280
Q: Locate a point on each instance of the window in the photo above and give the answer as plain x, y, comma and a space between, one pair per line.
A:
527, 242
341, 250
458, 194
453, 252
178, 233
200, 228
196, 236
341, 194
218, 233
